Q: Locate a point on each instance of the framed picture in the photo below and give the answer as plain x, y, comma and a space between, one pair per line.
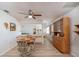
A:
12, 27
6, 25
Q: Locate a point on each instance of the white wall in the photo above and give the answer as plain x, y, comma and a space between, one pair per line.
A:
28, 28
74, 18
7, 37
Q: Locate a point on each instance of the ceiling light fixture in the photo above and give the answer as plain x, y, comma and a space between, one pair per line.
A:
30, 16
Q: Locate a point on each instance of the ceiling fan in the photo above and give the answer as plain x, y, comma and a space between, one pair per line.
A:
30, 14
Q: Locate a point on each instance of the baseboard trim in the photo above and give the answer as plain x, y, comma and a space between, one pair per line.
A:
7, 50
73, 54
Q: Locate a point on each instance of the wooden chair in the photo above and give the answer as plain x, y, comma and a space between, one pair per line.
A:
32, 43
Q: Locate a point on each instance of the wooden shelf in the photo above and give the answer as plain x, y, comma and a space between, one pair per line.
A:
77, 26
61, 34
76, 32
57, 32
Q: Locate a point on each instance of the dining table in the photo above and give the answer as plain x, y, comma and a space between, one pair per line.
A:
28, 39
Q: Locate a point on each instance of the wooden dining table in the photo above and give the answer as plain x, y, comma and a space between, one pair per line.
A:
28, 39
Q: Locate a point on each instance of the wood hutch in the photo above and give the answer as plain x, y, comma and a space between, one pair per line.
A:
61, 37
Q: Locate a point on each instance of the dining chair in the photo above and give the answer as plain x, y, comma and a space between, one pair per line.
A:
24, 48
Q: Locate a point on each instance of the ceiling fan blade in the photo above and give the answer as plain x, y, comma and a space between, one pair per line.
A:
37, 15
30, 12
34, 17
26, 17
22, 13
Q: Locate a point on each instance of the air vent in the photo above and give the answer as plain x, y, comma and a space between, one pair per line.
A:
6, 11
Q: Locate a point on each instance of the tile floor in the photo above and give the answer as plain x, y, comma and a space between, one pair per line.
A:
41, 50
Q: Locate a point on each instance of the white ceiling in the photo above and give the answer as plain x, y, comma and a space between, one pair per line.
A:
49, 10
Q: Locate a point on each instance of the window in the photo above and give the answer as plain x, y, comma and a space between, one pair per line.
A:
48, 30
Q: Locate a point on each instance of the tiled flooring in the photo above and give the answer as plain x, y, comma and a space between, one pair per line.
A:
41, 50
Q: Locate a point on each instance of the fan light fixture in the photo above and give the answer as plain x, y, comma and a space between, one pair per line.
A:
30, 16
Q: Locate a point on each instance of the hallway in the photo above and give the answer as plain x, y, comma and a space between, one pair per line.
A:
40, 50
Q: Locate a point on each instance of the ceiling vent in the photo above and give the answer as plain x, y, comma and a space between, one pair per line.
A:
6, 11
